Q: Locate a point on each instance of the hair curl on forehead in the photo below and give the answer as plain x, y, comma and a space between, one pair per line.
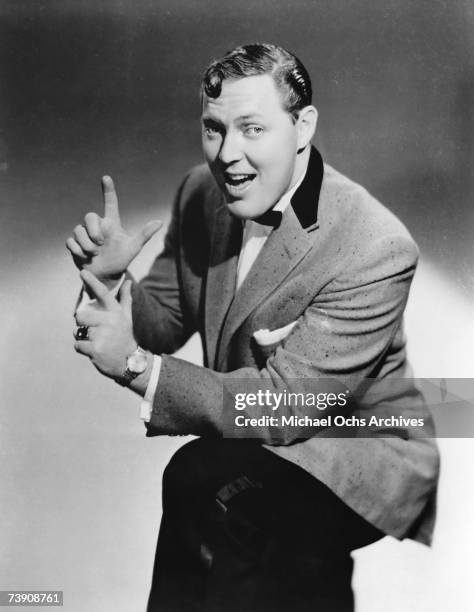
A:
290, 76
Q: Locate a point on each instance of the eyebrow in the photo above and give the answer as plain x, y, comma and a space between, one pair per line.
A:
207, 119
250, 116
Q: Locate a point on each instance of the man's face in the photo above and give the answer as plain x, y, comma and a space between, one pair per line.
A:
250, 143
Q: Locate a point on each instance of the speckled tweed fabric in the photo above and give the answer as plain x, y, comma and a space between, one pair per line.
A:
340, 265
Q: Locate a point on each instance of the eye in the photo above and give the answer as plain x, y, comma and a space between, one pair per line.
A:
211, 131
253, 130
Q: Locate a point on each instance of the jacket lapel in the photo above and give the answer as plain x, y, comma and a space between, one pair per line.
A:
220, 285
284, 249
282, 252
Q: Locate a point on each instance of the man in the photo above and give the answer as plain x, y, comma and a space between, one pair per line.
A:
292, 275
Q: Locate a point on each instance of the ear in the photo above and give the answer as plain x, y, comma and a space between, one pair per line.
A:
306, 125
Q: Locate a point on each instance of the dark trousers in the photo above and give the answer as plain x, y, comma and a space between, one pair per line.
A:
246, 531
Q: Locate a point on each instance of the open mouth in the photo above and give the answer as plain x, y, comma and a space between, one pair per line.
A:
237, 183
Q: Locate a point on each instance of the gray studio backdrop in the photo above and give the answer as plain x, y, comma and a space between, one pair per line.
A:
95, 87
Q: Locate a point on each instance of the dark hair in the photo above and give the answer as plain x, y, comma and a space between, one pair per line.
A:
290, 76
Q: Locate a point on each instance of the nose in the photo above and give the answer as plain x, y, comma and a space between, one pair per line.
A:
230, 150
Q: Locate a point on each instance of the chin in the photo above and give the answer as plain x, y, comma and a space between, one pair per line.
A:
243, 210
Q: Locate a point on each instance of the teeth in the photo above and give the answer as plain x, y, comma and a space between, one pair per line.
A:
236, 179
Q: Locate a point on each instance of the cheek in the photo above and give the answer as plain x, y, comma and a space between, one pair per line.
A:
206, 150
278, 157
210, 149
278, 168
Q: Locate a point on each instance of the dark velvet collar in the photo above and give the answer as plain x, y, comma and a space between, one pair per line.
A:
305, 200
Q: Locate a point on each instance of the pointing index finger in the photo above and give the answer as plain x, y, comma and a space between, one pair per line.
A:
111, 208
99, 290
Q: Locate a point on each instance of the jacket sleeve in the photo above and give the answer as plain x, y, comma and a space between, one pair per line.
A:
161, 322
339, 341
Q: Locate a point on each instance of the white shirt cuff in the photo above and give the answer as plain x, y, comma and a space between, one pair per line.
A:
146, 404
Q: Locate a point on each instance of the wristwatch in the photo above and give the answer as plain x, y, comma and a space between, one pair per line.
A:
136, 365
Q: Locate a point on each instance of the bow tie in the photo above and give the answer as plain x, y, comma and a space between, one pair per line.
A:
272, 218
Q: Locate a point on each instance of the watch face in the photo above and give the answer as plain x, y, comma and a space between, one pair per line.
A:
137, 362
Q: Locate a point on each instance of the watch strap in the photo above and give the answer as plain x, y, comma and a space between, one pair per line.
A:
127, 378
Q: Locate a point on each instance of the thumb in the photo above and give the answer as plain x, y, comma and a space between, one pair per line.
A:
146, 233
125, 298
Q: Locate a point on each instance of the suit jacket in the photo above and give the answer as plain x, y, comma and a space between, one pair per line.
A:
340, 265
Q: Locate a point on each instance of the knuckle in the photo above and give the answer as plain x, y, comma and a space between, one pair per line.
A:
79, 234
71, 245
90, 217
92, 226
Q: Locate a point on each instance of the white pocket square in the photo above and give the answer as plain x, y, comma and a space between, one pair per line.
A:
264, 337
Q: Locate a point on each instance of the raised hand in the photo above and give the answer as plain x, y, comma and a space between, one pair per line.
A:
101, 245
